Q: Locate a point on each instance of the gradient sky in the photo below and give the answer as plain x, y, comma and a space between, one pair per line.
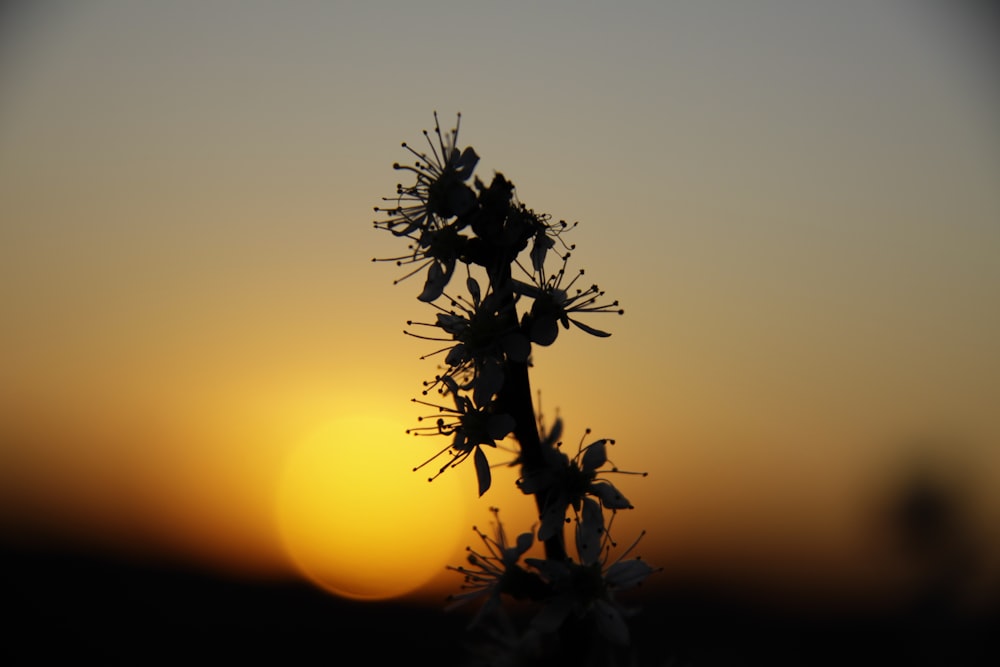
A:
796, 203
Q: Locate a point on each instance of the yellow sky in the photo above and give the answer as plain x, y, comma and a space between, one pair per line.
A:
795, 203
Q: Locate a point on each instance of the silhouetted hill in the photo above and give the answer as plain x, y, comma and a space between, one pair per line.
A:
62, 607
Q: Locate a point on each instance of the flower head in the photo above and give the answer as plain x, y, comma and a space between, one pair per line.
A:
432, 211
545, 234
438, 252
576, 482
497, 571
440, 191
559, 302
484, 333
470, 425
588, 588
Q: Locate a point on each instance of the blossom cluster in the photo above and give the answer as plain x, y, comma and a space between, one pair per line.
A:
514, 290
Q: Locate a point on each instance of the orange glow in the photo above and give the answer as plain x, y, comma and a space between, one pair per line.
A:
355, 518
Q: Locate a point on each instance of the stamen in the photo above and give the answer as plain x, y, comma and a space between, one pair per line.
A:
415, 469
413, 272
631, 547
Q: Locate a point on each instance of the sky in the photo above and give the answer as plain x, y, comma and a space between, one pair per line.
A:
796, 204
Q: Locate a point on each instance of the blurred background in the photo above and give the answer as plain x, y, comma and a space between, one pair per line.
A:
796, 203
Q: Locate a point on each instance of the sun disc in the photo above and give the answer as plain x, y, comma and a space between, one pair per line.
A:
356, 519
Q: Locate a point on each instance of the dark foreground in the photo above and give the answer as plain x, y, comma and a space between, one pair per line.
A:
62, 608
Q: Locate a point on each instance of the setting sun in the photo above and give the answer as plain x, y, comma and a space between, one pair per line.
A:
356, 519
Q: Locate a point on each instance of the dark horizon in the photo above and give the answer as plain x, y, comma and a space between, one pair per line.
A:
64, 604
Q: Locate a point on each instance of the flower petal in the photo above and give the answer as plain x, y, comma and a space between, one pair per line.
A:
482, 470
524, 542
544, 330
438, 276
457, 355
474, 291
589, 329
610, 497
539, 248
595, 455
466, 163
453, 324
627, 573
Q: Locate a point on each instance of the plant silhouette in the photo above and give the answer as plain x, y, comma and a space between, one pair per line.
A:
496, 277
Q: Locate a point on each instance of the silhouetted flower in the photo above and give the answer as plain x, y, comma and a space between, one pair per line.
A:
554, 304
567, 482
544, 238
496, 572
495, 223
470, 425
440, 191
424, 209
587, 589
485, 333
440, 251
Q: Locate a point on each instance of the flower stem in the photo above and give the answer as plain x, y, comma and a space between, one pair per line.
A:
515, 399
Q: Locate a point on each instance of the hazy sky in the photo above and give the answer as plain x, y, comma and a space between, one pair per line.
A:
796, 203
